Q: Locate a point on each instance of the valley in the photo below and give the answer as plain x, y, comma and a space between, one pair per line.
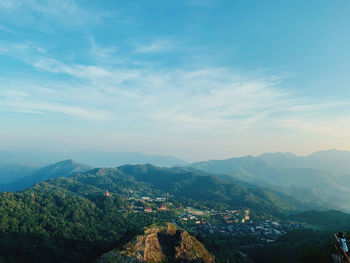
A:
96, 209
186, 131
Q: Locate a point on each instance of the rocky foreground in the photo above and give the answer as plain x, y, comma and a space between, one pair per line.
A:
160, 244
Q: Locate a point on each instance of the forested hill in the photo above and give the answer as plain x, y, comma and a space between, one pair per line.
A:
182, 184
194, 184
69, 219
42, 226
321, 178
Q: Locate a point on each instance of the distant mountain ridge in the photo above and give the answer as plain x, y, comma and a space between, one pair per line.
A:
12, 172
77, 221
93, 158
71, 207
322, 176
331, 160
65, 168
320, 179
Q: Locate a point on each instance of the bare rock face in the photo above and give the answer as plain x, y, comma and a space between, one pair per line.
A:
161, 244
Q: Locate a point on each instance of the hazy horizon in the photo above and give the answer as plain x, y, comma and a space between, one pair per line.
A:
174, 131
193, 79
68, 154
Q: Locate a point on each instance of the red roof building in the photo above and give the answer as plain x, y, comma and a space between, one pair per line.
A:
163, 208
148, 209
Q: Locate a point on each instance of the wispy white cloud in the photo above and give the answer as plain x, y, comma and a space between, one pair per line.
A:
33, 106
27, 98
335, 126
199, 99
7, 29
103, 53
156, 46
44, 107
10, 4
41, 15
202, 2
23, 51
137, 98
79, 71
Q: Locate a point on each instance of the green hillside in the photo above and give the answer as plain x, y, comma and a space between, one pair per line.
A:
330, 220
300, 177
183, 185
69, 219
55, 227
65, 168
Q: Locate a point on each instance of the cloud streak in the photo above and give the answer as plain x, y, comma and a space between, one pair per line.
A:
53, 9
204, 99
157, 46
29, 101
113, 69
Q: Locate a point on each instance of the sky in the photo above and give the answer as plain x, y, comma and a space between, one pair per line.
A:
196, 79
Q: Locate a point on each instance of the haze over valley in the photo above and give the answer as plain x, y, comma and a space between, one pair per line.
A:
195, 131
248, 191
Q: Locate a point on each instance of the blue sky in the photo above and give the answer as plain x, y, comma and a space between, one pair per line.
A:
198, 79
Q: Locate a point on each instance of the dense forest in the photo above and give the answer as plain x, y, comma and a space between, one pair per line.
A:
71, 220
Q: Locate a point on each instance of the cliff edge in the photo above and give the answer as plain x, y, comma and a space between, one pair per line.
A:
160, 244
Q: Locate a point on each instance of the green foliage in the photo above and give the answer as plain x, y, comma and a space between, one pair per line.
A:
225, 248
201, 188
317, 180
296, 246
185, 187
330, 220
70, 219
55, 227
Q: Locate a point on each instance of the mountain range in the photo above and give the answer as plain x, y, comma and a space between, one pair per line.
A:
322, 177
62, 213
70, 219
12, 172
93, 158
183, 184
65, 168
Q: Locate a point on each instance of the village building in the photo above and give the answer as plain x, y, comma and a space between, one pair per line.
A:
163, 208
148, 209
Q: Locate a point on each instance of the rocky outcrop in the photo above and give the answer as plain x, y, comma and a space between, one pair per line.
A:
160, 244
